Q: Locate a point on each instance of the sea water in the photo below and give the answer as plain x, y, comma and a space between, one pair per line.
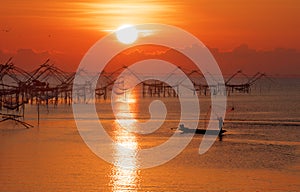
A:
259, 151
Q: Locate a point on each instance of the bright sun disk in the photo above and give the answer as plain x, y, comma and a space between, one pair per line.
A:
127, 34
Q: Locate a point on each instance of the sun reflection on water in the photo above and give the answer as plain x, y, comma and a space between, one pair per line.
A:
125, 179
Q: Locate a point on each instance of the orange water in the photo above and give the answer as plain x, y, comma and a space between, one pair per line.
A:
260, 151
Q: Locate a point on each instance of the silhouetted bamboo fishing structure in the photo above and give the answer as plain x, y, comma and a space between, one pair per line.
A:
243, 87
49, 84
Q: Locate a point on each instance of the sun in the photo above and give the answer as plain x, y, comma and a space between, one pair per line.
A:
127, 34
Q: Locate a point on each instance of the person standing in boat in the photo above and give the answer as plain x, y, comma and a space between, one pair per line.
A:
221, 123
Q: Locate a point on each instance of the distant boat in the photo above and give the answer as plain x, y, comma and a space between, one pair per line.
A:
201, 131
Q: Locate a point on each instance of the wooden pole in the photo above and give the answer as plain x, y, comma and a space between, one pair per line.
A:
38, 111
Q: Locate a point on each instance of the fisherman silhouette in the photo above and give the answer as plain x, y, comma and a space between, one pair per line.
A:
221, 123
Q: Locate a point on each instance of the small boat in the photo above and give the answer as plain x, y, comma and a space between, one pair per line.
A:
201, 131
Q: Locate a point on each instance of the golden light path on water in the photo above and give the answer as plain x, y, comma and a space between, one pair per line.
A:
125, 178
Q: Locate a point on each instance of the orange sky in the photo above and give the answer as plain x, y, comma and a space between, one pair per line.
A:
68, 28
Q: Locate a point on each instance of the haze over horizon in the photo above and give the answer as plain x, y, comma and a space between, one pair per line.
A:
276, 62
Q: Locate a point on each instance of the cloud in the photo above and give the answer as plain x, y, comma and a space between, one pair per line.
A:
276, 61
27, 59
279, 61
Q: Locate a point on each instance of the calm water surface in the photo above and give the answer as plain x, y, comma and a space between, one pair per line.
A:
260, 151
